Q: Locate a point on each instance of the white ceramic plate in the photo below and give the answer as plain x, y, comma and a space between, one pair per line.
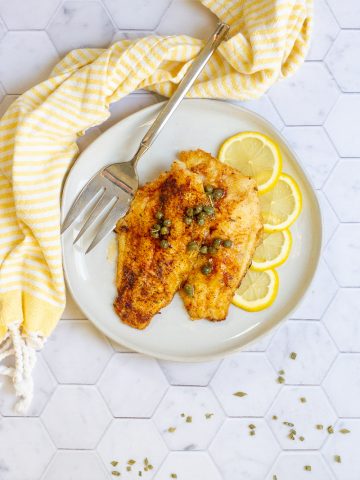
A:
196, 124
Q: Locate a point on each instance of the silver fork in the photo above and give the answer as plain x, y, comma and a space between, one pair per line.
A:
116, 184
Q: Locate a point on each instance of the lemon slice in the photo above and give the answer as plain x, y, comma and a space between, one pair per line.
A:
273, 251
281, 205
255, 155
257, 291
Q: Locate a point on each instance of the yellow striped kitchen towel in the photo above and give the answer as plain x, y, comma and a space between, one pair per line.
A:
269, 39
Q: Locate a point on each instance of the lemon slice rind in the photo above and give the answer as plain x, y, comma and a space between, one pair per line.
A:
261, 303
267, 141
281, 258
278, 225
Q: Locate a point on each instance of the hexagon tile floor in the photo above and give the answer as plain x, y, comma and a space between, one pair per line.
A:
96, 403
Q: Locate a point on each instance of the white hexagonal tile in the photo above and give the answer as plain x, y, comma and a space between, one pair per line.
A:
294, 463
330, 220
300, 100
25, 448
347, 447
79, 25
76, 465
250, 373
198, 374
140, 385
315, 151
304, 416
342, 319
26, 58
188, 466
343, 190
315, 352
343, 255
342, 385
324, 32
265, 108
72, 311
187, 17
29, 15
194, 402
76, 417
132, 440
2, 29
141, 15
126, 106
347, 12
90, 135
342, 61
319, 295
239, 455
342, 125
44, 386
77, 352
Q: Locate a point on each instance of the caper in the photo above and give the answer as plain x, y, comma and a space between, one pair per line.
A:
217, 242
156, 227
209, 210
154, 234
218, 193
167, 222
191, 246
188, 220
204, 249
209, 188
228, 243
164, 231
212, 250
201, 221
159, 215
164, 244
206, 269
201, 215
198, 209
189, 212
189, 289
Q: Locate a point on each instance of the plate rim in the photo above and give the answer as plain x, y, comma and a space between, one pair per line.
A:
232, 350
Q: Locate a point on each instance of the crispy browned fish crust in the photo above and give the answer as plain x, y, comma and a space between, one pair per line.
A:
237, 218
147, 275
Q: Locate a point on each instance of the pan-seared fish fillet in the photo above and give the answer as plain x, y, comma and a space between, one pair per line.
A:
237, 218
147, 275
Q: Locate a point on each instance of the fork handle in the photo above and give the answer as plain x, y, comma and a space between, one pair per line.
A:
184, 86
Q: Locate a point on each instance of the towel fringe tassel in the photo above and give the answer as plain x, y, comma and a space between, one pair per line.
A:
24, 351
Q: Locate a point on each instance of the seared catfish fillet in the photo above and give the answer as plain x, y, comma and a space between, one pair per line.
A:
147, 275
237, 218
